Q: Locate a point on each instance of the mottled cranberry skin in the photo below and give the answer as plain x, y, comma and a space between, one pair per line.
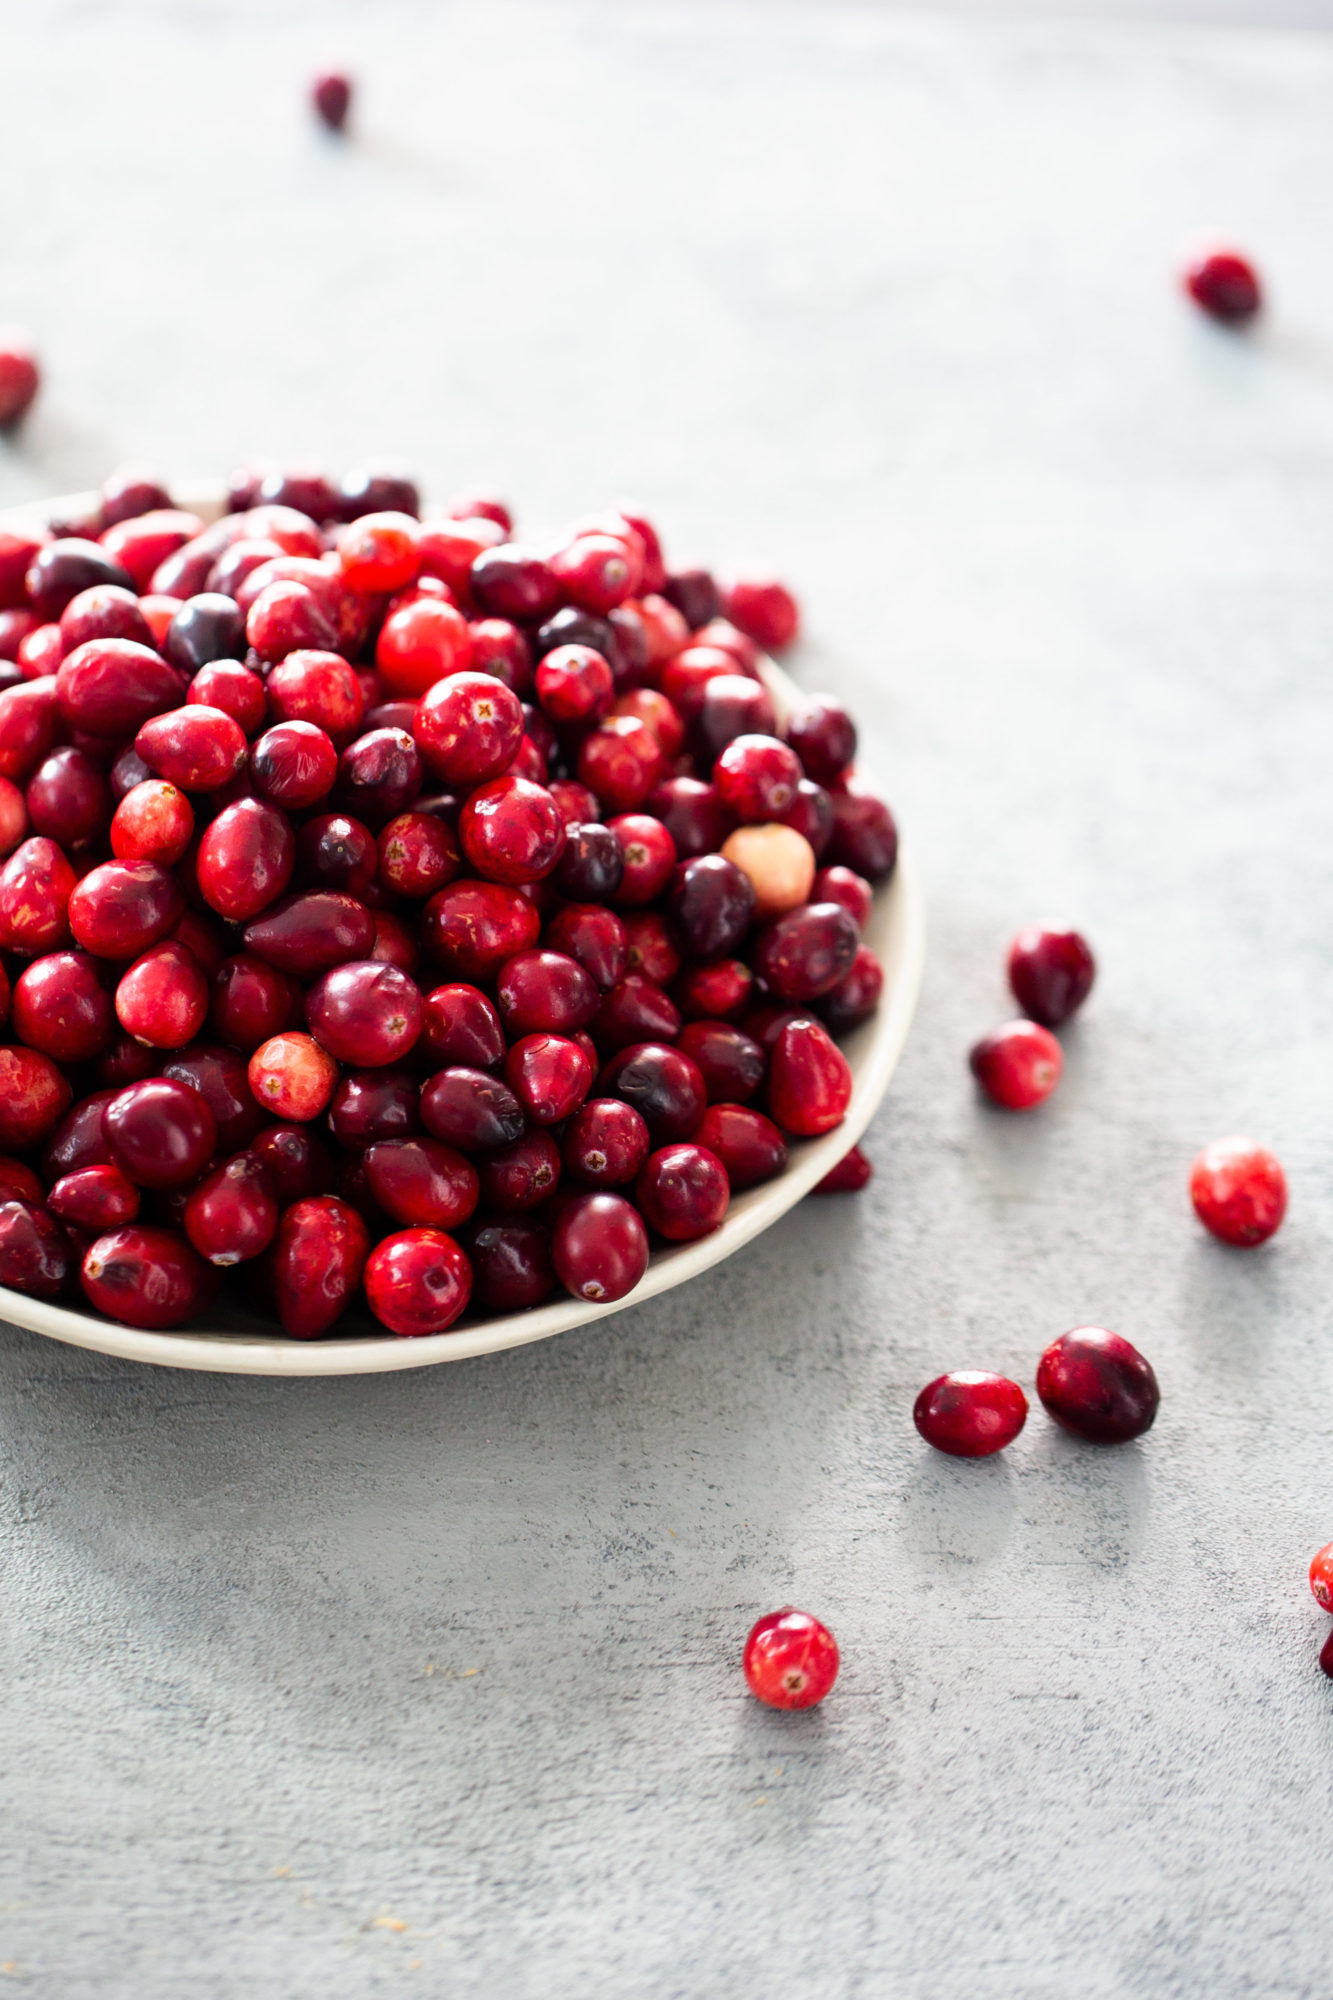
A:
471, 928
1051, 973
621, 762
418, 1282
421, 1183
310, 933
470, 1109
1098, 1386
1226, 285
292, 1077
606, 1143
809, 1081
852, 1173
96, 1198
511, 1265
864, 836
63, 568
61, 1007
418, 855
151, 1278
635, 1009
161, 1133
371, 1104
682, 1192
790, 1659
365, 1012
1017, 1065
593, 863
380, 775
228, 685
36, 885
523, 1175
512, 831
1321, 1578
245, 860
664, 1086
1238, 1189
232, 1215
163, 998
856, 995
123, 907
807, 951
970, 1414
153, 822
318, 1256
717, 992
549, 1075
599, 1247
34, 1251
756, 778
711, 905
294, 765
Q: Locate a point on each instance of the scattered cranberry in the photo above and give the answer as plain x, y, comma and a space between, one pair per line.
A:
1051, 973
1239, 1191
146, 1277
1017, 1065
19, 376
1321, 1577
599, 1247
331, 95
852, 1173
970, 1414
1226, 285
1097, 1386
1326, 1656
790, 1660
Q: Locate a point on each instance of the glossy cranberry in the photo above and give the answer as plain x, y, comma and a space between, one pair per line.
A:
809, 1082
252, 1001
694, 594
40, 652
15, 627
852, 1173
717, 992
595, 937
121, 908
523, 1175
731, 705
421, 1183
146, 1277
423, 640
621, 761
379, 552
545, 991
1018, 1065
20, 1183
511, 1265
807, 951
61, 569
549, 1075
297, 1163
593, 862
286, 617
126, 1061
1226, 285
811, 815
1097, 1386
104, 612
1321, 1577
380, 775
228, 685
511, 831
365, 1012
20, 543
233, 1214
756, 778
319, 688
864, 835
318, 1256
294, 764
595, 572
144, 544
331, 96
575, 685
132, 490
731, 1065
198, 749
471, 928
729, 638
471, 1110
287, 506
780, 863
77, 1139
111, 687
20, 377
161, 1132
657, 714
501, 649
449, 548
207, 627
219, 1075
311, 933
96, 1198
649, 858
790, 1659
418, 1282
823, 735
845, 886
512, 582
683, 1191
970, 1414
663, 1084
599, 1247
371, 1104
34, 1251
460, 1028
1239, 1191
163, 998
1051, 973
711, 905
606, 1143
572, 627
764, 1024
30, 717
387, 488
652, 948
291, 1077
635, 1009
245, 859
153, 822
127, 771
418, 855
36, 885
856, 995
68, 799
334, 851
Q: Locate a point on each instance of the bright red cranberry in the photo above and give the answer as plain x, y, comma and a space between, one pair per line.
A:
663, 1084
469, 1109
245, 859
717, 992
96, 1198
545, 991
683, 1192
731, 705
13, 816
219, 1075
511, 582
1239, 1191
449, 548
807, 951
318, 1256
756, 778
20, 378
36, 885
856, 995
1226, 285
294, 764
657, 714
423, 640
596, 572
1097, 1386
104, 612
371, 1104
252, 1001
607, 1143
764, 610
575, 684
421, 1183
418, 1282
864, 835
809, 1082
711, 905
319, 688
146, 1277
649, 858
123, 907
297, 1163
599, 1247
40, 652
292, 1077
780, 863
790, 1659
621, 761
153, 822
418, 855
111, 687
287, 617
30, 717
228, 685
1051, 973
331, 96
34, 1251
207, 627
1017, 1065
635, 1009
501, 649
380, 775
287, 506
845, 886
970, 1414
512, 831
596, 937
1321, 1577
163, 998
366, 1013
511, 1265
232, 1215
471, 928
63, 568
593, 863
20, 543
198, 749
731, 1065
161, 1133
460, 1028
652, 949
143, 544
311, 933
550, 1075
685, 680
379, 552
852, 1173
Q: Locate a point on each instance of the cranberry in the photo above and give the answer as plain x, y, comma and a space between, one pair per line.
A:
756, 777
418, 1281
232, 1215
657, 714
418, 854
473, 927
126, 1061
20, 378
809, 1082
286, 617
316, 1263
595, 572
635, 1009
96, 1198
1017, 1065
331, 96
20, 1183
36, 884
649, 855
593, 862
523, 1175
378, 490
1321, 1577
128, 771
207, 627
731, 705
34, 1251
711, 904
77, 1140
68, 798
856, 995
852, 1173
731, 1065
621, 761
811, 815
132, 490
161, 1132
575, 684
511, 1265
296, 1162
1051, 973
662, 1083
449, 548
153, 822
845, 886
292, 1077
512, 831
420, 1183
790, 1660
111, 687
864, 835
807, 951
143, 545
970, 1414
146, 1277
652, 950
252, 1001
423, 640
15, 628
694, 594
1226, 285
471, 1110
368, 1013
550, 1075
765, 1024
460, 1027
228, 685
104, 612
1097, 1386
219, 1075
1326, 1656
823, 735
29, 719
198, 749
371, 1104
63, 568
779, 862
245, 859
572, 627
163, 998
607, 1142
121, 908
599, 1247
1239, 1191
20, 543
40, 652
545, 991
380, 775
288, 504
683, 1192
319, 688
717, 992
501, 649
294, 764
311, 933
596, 937
379, 552
511, 582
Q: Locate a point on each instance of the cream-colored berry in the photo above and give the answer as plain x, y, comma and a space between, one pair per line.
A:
778, 860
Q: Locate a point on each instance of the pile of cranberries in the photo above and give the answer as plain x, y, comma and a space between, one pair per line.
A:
391, 905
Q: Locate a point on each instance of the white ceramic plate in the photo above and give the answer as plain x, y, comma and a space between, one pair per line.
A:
240, 1343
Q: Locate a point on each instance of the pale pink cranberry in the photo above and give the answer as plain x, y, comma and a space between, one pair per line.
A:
599, 1247
779, 862
292, 1077
417, 1282
970, 1414
1018, 1065
790, 1659
1239, 1191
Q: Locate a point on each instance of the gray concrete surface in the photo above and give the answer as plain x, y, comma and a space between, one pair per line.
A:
429, 1684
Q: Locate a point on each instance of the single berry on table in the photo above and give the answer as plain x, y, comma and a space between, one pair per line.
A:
1018, 1065
852, 1173
1226, 285
970, 1414
1321, 1577
1239, 1191
790, 1659
1095, 1384
331, 95
1051, 972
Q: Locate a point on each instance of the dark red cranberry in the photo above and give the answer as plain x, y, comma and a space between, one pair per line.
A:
856, 995
823, 735
297, 1163
377, 490
511, 1265
471, 928
334, 851
694, 594
1238, 1189
460, 1028
864, 835
512, 831
252, 1001
599, 1247
294, 764
852, 1173
732, 705
34, 1251
198, 749
365, 1012
807, 951
147, 543
104, 612
845, 886
309, 934
421, 1183
286, 617
970, 1414
1226, 285
621, 761
1051, 973
371, 1104
809, 1082
153, 822
571, 626
96, 1198
111, 687
1097, 1386
545, 991
418, 855
219, 1075
418, 1282
331, 95
711, 904
790, 1659
717, 992
232, 1215
123, 907
1017, 1065
316, 1263
635, 1009
607, 1142
163, 997
126, 1061
161, 1132
731, 1065
245, 859
523, 1175
652, 949
380, 775
129, 491
128, 771
511, 582
1326, 1656
592, 864
650, 858
469, 1109
662, 1083
207, 627
302, 492
765, 1024
36, 885
683, 1192
30, 717
61, 569
756, 778
146, 1277
596, 937
550, 1075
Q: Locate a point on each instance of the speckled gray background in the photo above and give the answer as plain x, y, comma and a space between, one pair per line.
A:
429, 1683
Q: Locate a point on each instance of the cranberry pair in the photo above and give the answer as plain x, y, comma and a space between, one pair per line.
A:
1093, 1383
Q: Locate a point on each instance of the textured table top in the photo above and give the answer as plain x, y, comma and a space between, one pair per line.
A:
430, 1683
